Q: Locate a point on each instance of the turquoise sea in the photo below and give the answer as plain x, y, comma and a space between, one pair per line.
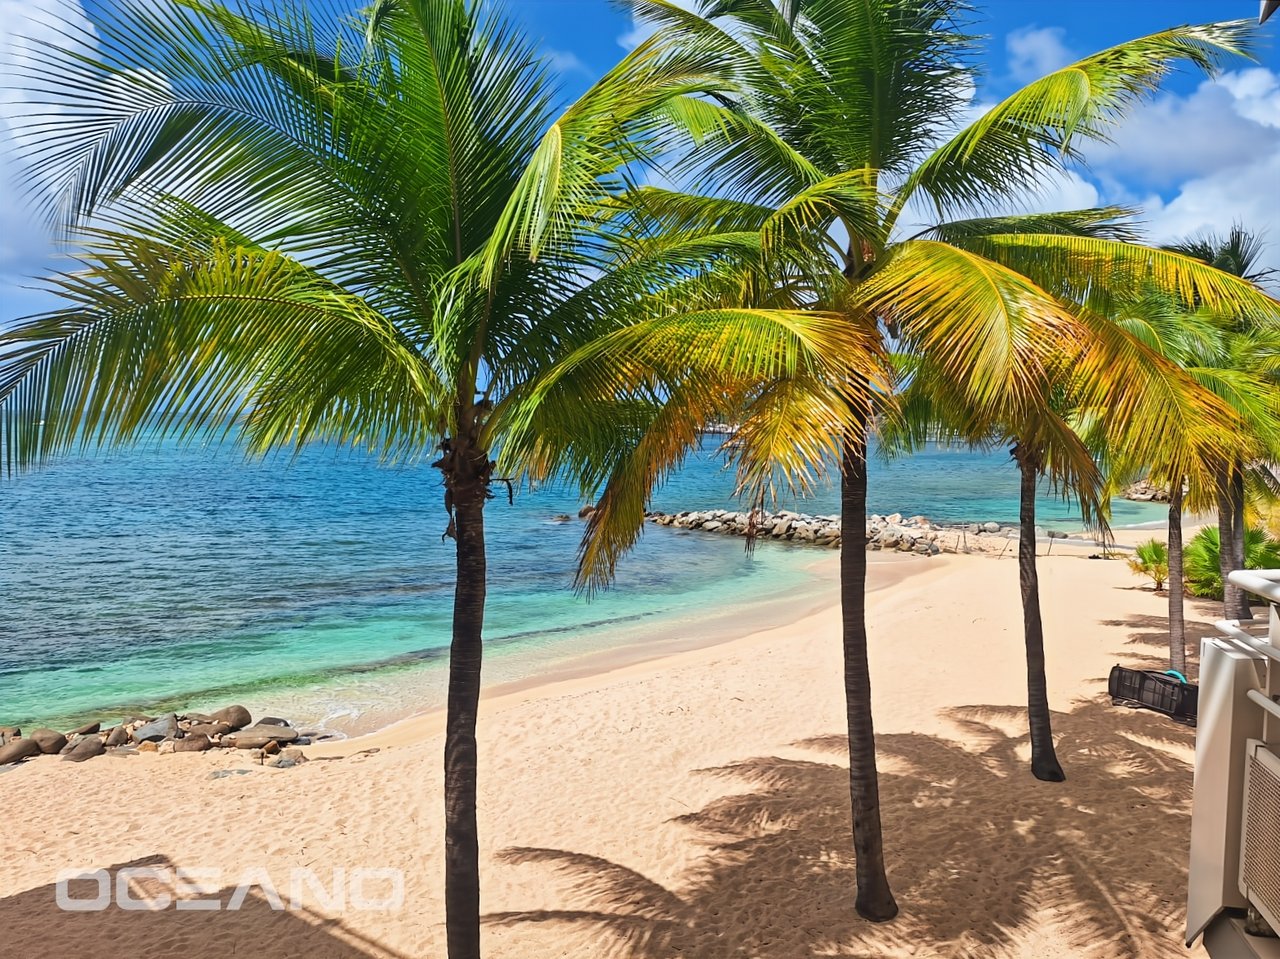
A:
319, 588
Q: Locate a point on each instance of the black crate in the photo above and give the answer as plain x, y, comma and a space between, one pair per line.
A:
1151, 690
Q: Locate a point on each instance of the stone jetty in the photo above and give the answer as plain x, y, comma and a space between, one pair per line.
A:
912, 534
271, 741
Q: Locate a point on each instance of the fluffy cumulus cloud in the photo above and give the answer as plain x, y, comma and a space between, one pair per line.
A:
29, 25
1035, 51
1219, 128
1198, 162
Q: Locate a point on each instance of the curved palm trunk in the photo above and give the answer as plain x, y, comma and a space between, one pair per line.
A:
1177, 620
874, 898
1044, 762
466, 471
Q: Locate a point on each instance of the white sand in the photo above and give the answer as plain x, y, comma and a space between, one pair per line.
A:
692, 806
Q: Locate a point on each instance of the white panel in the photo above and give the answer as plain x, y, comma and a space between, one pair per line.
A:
1226, 721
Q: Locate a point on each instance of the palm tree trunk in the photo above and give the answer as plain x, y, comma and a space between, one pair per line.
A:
1177, 621
467, 481
1044, 762
1243, 610
1234, 603
874, 898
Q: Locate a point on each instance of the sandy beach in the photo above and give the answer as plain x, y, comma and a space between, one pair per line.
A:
692, 805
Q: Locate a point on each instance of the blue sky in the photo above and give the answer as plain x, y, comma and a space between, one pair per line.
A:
1200, 155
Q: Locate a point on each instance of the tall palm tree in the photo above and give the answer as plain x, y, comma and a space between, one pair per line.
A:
1241, 369
368, 225
1238, 253
845, 113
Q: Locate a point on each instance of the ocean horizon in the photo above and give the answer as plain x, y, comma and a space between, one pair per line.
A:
168, 578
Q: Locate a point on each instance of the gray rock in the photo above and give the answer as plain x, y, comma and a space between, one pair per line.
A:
991, 527
196, 718
973, 528
86, 729
208, 729
50, 741
237, 717
713, 526
255, 737
17, 750
1057, 534
273, 721
194, 743
86, 748
119, 736
164, 728
297, 755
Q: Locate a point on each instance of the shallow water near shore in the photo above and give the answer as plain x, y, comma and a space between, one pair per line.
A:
320, 588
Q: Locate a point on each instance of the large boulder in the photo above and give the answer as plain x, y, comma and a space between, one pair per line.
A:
86, 748
209, 730
17, 750
166, 727
86, 729
50, 741
237, 717
255, 737
193, 743
118, 736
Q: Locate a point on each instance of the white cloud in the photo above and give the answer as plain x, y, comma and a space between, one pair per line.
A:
565, 61
641, 31
30, 26
1222, 125
1035, 51
1199, 162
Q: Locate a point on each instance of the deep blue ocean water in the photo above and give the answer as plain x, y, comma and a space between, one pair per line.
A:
319, 588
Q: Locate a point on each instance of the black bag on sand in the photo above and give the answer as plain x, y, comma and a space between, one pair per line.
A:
1149, 689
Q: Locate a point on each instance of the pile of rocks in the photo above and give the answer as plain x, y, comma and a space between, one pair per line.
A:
1144, 492
229, 728
912, 534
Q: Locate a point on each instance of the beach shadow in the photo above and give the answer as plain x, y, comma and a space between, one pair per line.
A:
1148, 642
35, 925
980, 854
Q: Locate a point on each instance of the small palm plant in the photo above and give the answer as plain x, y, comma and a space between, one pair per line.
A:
1151, 559
1203, 572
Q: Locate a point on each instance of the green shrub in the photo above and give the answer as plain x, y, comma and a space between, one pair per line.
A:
1151, 559
1200, 559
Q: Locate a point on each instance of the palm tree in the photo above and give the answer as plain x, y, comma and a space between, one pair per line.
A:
1238, 253
1238, 367
843, 114
316, 223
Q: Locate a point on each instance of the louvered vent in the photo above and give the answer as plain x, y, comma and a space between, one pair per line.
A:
1260, 857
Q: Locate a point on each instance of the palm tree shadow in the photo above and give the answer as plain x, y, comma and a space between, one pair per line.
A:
1150, 636
981, 854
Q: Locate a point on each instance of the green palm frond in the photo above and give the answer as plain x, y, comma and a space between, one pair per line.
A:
1029, 136
208, 339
